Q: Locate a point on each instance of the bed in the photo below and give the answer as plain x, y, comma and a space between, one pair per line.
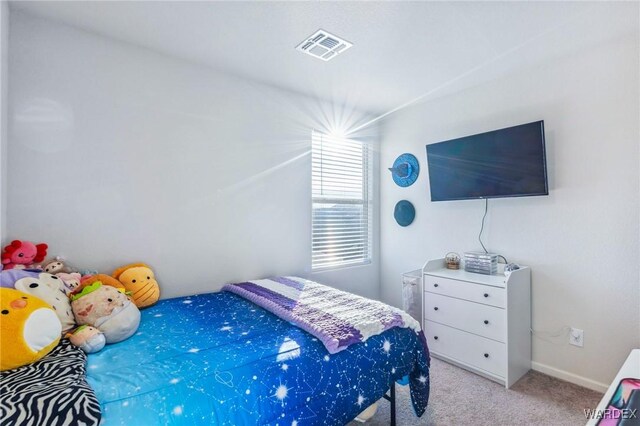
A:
220, 359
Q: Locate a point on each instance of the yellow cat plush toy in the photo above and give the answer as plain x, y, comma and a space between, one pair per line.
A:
139, 279
29, 329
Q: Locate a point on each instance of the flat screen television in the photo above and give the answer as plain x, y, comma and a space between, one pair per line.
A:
508, 162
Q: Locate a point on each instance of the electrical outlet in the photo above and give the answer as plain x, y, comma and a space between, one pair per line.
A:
576, 337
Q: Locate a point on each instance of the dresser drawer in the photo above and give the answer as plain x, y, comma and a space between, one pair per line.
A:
467, 348
487, 321
479, 293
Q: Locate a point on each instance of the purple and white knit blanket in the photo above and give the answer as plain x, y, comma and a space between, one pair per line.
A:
339, 319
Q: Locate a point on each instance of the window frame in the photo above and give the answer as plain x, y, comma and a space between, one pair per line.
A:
366, 236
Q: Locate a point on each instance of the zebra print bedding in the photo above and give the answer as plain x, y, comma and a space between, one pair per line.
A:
52, 391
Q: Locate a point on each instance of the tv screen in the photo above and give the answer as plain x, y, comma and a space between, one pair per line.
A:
503, 163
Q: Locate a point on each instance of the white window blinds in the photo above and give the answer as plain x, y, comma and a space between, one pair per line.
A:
342, 209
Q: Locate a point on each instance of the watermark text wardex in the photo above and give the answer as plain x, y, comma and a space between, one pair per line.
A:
609, 413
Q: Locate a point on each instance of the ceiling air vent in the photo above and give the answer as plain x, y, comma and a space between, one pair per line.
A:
323, 45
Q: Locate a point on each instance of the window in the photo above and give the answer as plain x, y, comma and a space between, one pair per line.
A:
342, 209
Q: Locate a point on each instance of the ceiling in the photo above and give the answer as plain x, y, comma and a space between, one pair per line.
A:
403, 51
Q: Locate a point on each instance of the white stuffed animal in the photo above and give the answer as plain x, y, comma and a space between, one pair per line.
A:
50, 289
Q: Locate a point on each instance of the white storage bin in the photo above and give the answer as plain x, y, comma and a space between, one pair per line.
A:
412, 294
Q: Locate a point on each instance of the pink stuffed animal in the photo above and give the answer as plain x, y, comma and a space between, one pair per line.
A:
23, 254
71, 281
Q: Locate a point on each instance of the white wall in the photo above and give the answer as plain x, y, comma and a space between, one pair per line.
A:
118, 154
4, 79
581, 241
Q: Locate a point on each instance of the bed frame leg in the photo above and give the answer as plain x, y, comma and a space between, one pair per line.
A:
392, 401
393, 404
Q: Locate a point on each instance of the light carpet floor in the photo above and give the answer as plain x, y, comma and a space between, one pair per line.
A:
459, 397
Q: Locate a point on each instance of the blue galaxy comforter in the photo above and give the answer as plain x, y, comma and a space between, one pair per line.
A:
219, 359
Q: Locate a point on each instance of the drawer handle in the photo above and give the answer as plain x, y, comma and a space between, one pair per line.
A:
486, 321
435, 337
435, 285
435, 309
486, 295
486, 355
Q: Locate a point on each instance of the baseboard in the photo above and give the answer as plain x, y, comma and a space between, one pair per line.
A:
569, 377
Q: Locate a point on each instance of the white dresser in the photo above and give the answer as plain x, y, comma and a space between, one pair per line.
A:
479, 322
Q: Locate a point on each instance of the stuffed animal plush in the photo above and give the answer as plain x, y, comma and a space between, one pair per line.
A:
29, 329
87, 338
56, 266
139, 279
104, 279
23, 254
71, 281
106, 309
50, 289
9, 277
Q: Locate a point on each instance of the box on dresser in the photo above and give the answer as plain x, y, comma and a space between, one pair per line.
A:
479, 322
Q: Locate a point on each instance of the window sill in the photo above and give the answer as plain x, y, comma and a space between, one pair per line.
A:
339, 267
